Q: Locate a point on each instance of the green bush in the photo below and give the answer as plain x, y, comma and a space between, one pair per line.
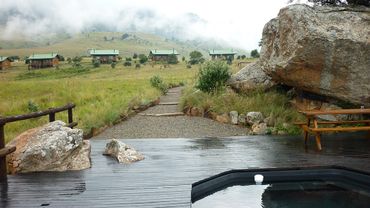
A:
157, 82
96, 63
128, 59
172, 59
127, 63
113, 65
137, 66
213, 76
143, 58
32, 107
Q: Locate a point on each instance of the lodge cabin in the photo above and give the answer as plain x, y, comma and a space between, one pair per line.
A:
5, 62
161, 55
104, 56
222, 54
37, 61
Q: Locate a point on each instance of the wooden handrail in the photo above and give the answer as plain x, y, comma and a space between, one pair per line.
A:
4, 120
50, 111
339, 111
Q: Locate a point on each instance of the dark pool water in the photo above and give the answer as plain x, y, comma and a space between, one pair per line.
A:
287, 195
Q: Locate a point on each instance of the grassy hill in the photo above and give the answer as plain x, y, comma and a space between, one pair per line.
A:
127, 43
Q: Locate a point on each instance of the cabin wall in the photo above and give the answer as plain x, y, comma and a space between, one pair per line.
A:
105, 59
5, 64
43, 63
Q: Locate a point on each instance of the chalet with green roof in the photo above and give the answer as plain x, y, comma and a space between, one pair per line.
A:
5, 62
161, 55
44, 60
105, 56
222, 54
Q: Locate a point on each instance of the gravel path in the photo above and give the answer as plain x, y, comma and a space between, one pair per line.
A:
141, 126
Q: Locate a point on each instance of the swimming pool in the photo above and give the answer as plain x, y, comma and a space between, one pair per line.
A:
298, 187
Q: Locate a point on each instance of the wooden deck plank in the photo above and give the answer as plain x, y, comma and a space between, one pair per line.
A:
164, 178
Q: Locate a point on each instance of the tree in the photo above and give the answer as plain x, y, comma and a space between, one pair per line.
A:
196, 57
255, 54
134, 56
243, 56
172, 59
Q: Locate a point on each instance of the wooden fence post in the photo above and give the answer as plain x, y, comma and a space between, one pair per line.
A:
51, 117
3, 171
70, 115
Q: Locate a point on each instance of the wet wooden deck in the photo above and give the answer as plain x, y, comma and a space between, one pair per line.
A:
164, 178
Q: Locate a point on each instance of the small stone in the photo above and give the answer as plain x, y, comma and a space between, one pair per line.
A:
122, 152
194, 111
234, 117
224, 118
259, 129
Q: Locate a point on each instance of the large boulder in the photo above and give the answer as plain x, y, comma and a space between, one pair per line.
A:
122, 152
322, 50
249, 78
52, 147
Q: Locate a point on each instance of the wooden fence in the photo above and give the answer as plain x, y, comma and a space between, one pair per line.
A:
4, 120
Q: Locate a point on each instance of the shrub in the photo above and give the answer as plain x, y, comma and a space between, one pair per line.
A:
134, 56
128, 59
96, 63
69, 60
188, 66
213, 76
127, 63
172, 59
157, 82
113, 65
137, 66
32, 107
143, 58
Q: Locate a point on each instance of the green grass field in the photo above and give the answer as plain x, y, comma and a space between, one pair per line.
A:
101, 94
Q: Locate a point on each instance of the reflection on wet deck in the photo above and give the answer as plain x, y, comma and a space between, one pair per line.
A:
164, 178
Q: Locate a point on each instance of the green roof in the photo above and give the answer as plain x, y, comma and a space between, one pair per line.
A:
104, 52
164, 52
3, 58
36, 56
222, 52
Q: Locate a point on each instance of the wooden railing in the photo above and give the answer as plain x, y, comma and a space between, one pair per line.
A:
4, 120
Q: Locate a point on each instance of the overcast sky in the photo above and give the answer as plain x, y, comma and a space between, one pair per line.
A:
238, 22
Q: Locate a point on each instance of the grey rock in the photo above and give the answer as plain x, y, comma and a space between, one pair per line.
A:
249, 78
322, 50
52, 147
122, 152
234, 117
254, 117
242, 119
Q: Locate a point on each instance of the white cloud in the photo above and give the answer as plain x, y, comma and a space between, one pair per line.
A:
237, 22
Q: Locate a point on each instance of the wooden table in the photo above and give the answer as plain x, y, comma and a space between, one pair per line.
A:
321, 126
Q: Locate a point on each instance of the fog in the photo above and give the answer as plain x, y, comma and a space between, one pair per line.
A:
238, 23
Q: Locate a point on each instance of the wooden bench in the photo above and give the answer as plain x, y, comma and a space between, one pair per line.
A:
319, 126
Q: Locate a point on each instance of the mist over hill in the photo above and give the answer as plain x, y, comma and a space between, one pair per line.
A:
231, 24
